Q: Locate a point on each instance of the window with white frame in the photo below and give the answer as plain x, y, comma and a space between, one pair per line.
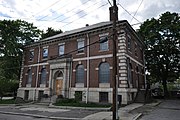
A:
80, 74
80, 45
45, 52
104, 73
104, 45
43, 76
29, 80
61, 49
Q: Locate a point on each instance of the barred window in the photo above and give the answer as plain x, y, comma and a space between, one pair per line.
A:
104, 73
103, 97
80, 74
43, 76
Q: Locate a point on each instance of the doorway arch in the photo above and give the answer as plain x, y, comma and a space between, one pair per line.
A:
58, 82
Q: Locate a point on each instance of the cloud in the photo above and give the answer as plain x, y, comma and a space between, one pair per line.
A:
67, 14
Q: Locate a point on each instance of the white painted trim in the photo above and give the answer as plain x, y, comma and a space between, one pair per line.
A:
37, 64
121, 54
80, 39
103, 34
61, 44
134, 60
94, 57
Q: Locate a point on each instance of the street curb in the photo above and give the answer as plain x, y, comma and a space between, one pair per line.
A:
38, 116
137, 116
80, 108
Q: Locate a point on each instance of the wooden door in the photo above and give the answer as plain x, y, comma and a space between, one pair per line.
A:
59, 86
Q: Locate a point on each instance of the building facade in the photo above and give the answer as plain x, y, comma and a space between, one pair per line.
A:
75, 62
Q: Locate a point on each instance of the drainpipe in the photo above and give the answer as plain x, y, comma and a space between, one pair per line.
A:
37, 74
87, 89
70, 77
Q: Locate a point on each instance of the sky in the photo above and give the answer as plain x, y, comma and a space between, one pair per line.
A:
71, 14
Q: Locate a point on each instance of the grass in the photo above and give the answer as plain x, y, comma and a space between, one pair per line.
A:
75, 103
9, 101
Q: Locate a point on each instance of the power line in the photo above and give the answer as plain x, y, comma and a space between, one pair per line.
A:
84, 15
46, 8
110, 3
128, 12
54, 11
136, 11
72, 10
78, 12
68, 12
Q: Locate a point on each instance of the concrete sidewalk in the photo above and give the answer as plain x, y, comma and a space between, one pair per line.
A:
51, 112
123, 113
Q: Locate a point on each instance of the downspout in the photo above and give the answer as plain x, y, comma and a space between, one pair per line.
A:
37, 74
70, 77
145, 79
87, 89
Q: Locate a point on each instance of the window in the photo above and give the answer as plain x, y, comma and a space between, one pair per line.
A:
61, 49
80, 46
29, 76
104, 45
103, 97
45, 53
26, 94
129, 71
104, 73
31, 55
129, 42
43, 76
78, 95
80, 74
135, 49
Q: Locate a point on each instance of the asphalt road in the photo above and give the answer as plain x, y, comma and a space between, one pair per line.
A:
18, 117
36, 112
167, 110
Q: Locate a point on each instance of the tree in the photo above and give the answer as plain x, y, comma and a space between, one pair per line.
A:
13, 35
162, 38
50, 32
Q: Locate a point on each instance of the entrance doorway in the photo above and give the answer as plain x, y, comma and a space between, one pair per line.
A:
59, 86
58, 83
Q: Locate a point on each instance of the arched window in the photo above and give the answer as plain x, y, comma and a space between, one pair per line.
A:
43, 76
29, 80
80, 74
104, 73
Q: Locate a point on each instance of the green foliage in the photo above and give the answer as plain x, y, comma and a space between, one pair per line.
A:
162, 38
50, 32
78, 96
9, 101
14, 34
75, 103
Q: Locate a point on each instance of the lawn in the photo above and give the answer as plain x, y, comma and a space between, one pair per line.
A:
8, 101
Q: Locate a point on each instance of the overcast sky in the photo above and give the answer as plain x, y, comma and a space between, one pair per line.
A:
70, 14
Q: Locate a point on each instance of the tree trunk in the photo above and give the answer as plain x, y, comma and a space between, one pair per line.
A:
166, 93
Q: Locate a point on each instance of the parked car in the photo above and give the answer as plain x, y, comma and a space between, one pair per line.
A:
178, 94
157, 93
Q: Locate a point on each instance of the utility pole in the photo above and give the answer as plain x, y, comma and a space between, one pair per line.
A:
115, 17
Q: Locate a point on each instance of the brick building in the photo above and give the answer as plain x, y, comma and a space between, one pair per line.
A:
65, 64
